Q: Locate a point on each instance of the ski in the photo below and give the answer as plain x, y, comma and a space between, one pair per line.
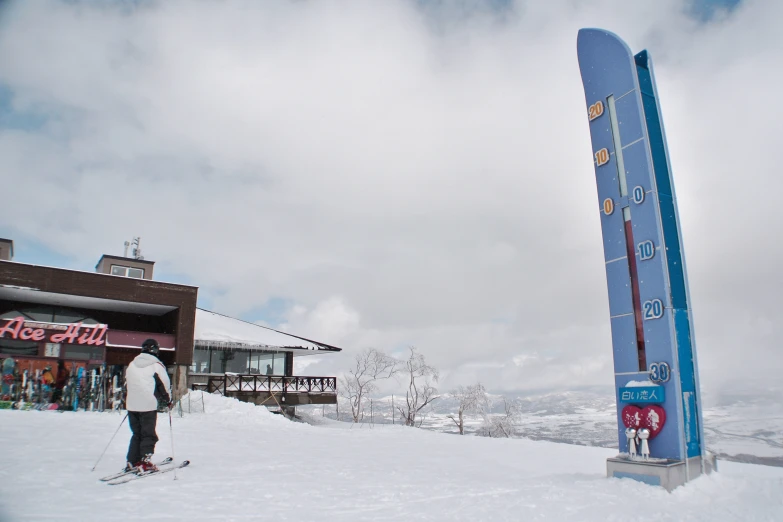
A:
79, 376
165, 461
135, 476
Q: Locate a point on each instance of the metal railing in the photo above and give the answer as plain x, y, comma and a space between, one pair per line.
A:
252, 383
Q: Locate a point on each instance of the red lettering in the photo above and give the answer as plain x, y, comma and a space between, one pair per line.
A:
93, 337
84, 339
12, 327
90, 335
69, 336
99, 340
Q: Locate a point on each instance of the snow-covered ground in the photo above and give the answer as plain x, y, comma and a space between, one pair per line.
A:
248, 464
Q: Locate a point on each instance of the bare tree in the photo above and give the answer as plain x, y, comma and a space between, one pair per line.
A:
472, 399
370, 366
420, 392
501, 425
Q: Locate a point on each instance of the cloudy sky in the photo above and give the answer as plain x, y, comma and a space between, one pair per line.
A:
395, 173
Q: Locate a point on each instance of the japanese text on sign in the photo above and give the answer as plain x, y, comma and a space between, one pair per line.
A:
642, 394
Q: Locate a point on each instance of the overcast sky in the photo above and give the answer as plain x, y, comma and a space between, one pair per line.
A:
395, 173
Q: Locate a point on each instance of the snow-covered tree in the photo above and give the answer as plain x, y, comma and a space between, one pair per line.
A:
500, 425
370, 366
472, 399
420, 392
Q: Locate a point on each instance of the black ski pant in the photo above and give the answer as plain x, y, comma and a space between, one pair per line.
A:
142, 425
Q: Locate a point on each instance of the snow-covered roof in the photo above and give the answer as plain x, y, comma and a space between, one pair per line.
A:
221, 331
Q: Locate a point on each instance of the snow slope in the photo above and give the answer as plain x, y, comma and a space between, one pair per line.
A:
251, 465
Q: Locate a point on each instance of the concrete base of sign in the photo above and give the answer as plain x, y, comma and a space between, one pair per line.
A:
667, 474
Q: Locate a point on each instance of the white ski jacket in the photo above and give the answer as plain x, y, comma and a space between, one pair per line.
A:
140, 380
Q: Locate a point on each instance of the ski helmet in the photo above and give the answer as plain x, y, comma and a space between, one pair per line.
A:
150, 346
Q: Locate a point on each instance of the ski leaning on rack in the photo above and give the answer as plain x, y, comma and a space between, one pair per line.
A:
135, 476
165, 461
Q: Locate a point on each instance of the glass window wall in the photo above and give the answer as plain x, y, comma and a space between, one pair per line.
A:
207, 360
237, 361
200, 361
216, 362
278, 367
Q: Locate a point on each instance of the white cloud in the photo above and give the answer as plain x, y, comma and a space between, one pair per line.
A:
330, 319
432, 170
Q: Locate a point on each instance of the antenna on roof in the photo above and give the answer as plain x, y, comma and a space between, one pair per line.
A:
137, 248
136, 244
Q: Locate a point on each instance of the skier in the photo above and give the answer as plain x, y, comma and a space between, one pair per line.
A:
147, 383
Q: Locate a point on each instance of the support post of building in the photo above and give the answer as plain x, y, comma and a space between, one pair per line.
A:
179, 387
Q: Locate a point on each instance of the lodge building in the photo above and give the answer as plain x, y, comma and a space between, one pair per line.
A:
94, 318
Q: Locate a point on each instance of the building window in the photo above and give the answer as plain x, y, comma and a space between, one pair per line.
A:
13, 314
62, 315
50, 314
127, 271
18, 348
83, 353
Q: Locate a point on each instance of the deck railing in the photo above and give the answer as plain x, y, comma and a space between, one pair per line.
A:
253, 383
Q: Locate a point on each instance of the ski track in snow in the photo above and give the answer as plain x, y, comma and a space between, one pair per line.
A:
247, 464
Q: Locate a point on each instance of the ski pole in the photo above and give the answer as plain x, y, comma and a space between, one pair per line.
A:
109, 444
171, 431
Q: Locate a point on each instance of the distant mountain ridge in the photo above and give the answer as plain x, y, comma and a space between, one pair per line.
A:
740, 425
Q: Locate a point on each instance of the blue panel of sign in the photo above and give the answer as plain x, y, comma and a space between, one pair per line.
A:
658, 337
613, 235
604, 80
629, 119
620, 298
626, 358
637, 167
602, 136
673, 252
652, 279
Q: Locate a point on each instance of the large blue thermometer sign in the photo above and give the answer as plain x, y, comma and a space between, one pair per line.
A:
652, 334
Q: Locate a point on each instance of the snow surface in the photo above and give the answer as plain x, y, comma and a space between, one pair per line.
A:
248, 464
223, 329
639, 384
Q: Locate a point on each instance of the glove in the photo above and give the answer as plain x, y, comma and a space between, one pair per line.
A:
170, 405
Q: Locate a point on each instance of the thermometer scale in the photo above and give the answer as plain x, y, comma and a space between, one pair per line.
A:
656, 376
